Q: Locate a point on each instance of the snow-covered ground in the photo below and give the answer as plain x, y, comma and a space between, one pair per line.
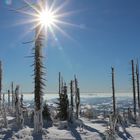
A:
90, 129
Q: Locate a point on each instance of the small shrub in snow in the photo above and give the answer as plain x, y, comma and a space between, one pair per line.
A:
90, 113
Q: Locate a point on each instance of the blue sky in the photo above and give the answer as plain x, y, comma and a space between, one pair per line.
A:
107, 34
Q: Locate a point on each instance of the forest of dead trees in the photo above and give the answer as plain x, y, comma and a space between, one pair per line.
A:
68, 105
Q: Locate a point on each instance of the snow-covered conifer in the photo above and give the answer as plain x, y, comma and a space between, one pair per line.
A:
63, 104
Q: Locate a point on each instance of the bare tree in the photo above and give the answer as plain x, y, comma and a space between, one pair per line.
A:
0, 82
138, 90
4, 112
71, 93
12, 91
113, 92
9, 98
77, 97
59, 83
134, 88
38, 75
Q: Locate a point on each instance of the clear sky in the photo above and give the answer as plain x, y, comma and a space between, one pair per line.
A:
106, 33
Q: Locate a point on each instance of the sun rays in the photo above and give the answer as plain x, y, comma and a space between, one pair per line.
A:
46, 17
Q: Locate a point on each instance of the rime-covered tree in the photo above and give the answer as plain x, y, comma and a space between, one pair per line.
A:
18, 109
21, 100
38, 84
38, 75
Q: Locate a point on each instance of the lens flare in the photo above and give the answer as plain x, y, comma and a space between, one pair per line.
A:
8, 2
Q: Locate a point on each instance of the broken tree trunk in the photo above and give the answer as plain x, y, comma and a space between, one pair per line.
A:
13, 97
138, 90
59, 83
8, 98
77, 98
0, 83
134, 91
4, 112
71, 95
113, 92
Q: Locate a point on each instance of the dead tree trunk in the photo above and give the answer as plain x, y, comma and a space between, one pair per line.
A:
12, 91
113, 92
0, 82
78, 101
138, 90
77, 97
4, 112
59, 83
134, 91
9, 98
38, 73
62, 84
21, 100
38, 82
71, 93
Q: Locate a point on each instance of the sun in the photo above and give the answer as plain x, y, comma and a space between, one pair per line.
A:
46, 18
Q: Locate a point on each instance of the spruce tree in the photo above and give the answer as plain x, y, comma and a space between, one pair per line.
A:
63, 104
46, 112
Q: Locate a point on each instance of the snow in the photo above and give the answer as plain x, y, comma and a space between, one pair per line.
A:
92, 130
83, 129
